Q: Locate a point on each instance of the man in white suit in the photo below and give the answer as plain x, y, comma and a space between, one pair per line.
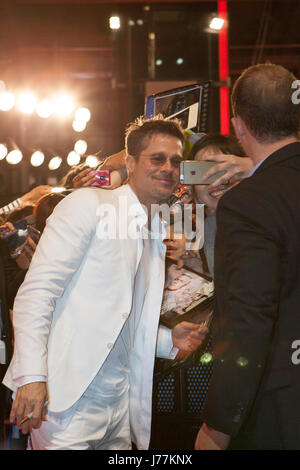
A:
86, 317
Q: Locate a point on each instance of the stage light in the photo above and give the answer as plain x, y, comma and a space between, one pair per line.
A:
179, 61
27, 102
58, 189
158, 62
44, 108
73, 158
79, 126
37, 158
140, 22
82, 114
216, 24
54, 163
80, 147
63, 105
114, 22
92, 161
3, 151
14, 157
7, 101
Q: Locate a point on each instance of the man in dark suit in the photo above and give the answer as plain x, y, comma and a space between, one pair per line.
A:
253, 398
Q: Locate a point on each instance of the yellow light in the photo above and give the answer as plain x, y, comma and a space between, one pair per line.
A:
82, 114
79, 126
114, 22
73, 158
37, 158
63, 105
14, 157
206, 358
3, 151
44, 108
27, 102
55, 163
80, 147
242, 361
7, 101
92, 161
216, 24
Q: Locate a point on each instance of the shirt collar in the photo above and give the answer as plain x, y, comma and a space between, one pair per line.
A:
256, 167
139, 212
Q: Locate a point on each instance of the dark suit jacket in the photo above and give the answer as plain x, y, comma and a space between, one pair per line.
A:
255, 388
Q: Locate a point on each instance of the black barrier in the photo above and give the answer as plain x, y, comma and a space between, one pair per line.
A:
178, 399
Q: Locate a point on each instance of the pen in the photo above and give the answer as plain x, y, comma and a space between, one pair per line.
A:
27, 417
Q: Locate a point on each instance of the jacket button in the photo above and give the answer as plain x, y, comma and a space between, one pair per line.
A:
110, 345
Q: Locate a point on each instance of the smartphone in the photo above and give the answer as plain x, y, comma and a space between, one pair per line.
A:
192, 172
103, 178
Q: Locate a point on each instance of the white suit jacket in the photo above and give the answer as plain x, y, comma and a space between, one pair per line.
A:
78, 293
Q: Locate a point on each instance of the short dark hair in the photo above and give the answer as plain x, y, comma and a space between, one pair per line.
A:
139, 132
262, 97
44, 208
227, 144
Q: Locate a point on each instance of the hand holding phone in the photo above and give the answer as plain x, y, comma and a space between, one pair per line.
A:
102, 178
193, 171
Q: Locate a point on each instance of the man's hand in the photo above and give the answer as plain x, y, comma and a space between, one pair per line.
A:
84, 178
30, 399
187, 337
236, 168
210, 439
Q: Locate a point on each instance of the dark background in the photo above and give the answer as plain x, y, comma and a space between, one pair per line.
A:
49, 45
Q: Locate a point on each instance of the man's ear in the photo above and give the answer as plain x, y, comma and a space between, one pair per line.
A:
130, 163
239, 128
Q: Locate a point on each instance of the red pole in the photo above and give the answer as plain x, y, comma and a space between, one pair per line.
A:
224, 69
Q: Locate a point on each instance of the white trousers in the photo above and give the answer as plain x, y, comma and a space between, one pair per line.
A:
94, 422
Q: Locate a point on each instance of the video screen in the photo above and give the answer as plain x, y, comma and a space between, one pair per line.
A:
185, 103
